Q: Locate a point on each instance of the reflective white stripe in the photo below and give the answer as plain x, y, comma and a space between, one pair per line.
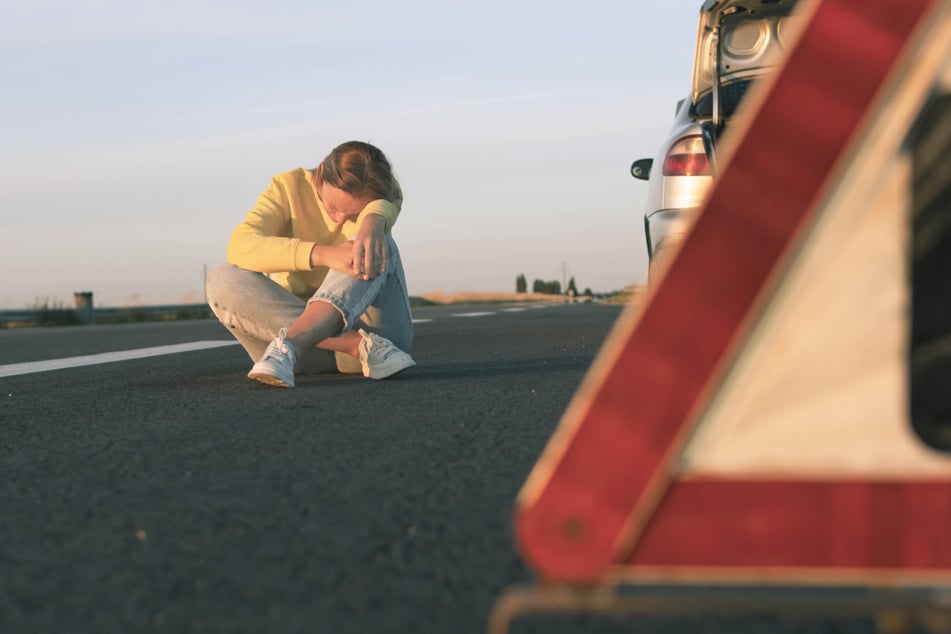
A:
472, 314
32, 367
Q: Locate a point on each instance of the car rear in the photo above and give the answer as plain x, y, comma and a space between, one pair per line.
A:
738, 42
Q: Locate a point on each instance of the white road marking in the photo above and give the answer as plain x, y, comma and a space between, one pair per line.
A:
31, 367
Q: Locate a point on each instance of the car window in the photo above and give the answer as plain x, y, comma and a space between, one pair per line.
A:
730, 97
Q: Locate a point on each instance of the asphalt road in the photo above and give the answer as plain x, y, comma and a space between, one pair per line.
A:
172, 494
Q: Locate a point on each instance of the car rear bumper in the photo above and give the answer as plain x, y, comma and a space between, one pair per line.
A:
666, 227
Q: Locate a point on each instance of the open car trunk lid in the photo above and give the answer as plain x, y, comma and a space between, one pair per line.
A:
737, 42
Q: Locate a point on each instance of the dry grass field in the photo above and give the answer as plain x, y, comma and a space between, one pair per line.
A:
470, 297
626, 295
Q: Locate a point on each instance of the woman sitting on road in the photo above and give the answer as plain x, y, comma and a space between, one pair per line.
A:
314, 281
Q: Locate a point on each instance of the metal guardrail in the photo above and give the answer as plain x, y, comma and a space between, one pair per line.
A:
126, 314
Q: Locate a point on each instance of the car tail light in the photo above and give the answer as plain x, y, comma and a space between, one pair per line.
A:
687, 158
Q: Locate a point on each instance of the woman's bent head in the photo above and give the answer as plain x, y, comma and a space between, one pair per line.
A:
359, 169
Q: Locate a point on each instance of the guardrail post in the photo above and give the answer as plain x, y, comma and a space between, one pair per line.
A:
84, 308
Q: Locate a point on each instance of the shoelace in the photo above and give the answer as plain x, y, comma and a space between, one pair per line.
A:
277, 346
378, 348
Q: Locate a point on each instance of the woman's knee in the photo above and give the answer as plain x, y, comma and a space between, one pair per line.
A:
218, 280
227, 282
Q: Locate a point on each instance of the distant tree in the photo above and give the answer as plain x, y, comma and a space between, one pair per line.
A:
587, 291
550, 288
521, 285
572, 289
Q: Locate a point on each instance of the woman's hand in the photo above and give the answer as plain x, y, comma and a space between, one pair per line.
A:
338, 257
369, 247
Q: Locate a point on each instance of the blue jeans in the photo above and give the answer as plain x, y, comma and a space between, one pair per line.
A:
254, 308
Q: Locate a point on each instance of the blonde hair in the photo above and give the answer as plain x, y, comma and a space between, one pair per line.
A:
361, 170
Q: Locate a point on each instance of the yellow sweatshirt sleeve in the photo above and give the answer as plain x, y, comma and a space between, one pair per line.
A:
389, 209
262, 242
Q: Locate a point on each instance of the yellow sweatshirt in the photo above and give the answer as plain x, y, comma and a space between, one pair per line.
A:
288, 219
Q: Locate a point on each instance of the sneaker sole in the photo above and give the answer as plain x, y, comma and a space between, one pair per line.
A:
385, 373
269, 380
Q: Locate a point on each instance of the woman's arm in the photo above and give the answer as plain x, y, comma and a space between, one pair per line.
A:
369, 241
261, 243
369, 247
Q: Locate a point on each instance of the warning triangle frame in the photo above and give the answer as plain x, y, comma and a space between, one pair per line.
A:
604, 501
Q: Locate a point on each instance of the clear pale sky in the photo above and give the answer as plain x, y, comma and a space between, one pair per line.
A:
135, 135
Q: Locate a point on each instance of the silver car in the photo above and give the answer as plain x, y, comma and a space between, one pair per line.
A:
738, 41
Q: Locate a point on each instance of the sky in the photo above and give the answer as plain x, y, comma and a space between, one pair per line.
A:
135, 135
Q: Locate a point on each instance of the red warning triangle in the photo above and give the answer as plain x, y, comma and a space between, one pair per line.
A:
751, 418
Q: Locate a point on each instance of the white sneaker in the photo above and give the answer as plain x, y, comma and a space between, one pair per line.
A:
380, 358
276, 367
